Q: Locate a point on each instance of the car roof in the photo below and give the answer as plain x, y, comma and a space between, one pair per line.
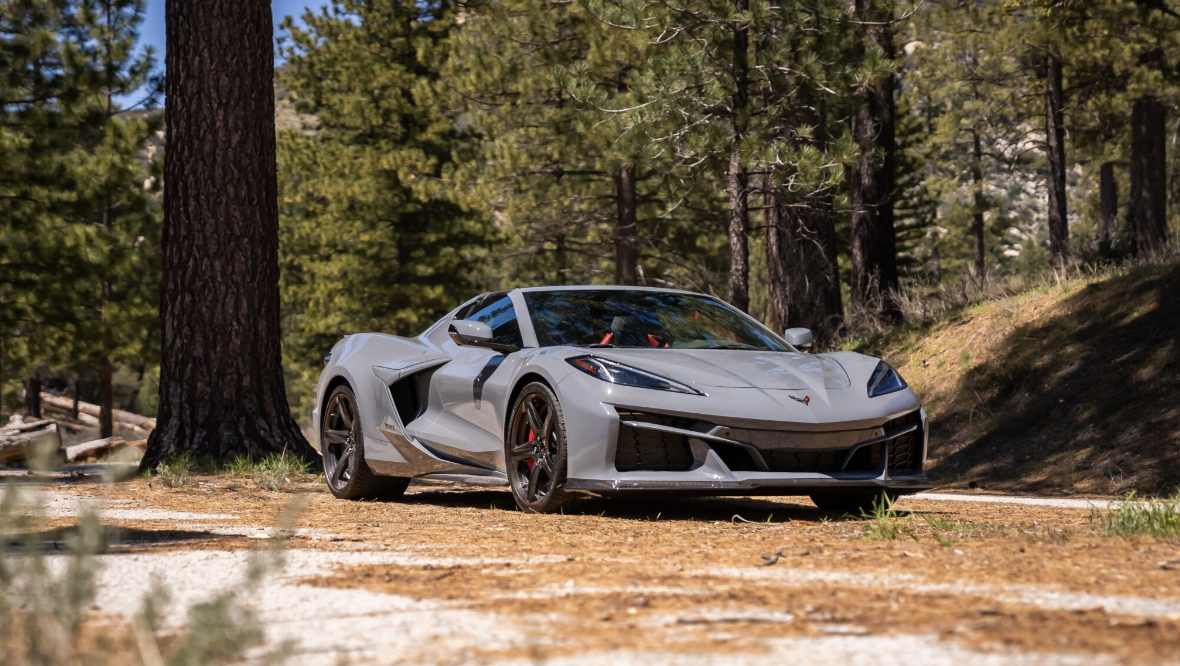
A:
613, 287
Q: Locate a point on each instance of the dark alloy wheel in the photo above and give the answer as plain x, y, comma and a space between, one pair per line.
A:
348, 475
535, 451
854, 502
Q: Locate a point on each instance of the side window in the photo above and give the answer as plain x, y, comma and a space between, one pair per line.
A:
500, 315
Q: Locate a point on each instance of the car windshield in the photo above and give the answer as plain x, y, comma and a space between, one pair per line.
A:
644, 319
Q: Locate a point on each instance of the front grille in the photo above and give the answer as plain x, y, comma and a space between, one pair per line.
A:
784, 460
905, 452
865, 459
642, 449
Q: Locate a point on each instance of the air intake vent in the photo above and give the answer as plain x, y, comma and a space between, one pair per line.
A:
905, 452
643, 449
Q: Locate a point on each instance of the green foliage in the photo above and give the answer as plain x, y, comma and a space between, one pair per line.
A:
1159, 518
79, 209
372, 236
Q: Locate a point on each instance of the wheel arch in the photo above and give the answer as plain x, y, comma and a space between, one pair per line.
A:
527, 378
331, 386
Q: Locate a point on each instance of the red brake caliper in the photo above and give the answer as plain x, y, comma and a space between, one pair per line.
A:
532, 461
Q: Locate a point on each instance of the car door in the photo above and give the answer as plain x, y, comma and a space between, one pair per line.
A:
468, 425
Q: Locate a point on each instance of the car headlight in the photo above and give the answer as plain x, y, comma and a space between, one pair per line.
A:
625, 375
885, 380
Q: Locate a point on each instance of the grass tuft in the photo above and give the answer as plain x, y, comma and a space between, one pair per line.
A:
177, 472
885, 522
1152, 517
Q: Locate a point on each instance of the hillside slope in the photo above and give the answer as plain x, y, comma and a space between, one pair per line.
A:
1068, 388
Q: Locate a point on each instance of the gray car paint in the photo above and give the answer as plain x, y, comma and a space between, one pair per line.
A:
462, 429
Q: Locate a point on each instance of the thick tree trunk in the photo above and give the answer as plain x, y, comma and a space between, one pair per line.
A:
221, 378
1055, 143
106, 424
813, 274
1149, 174
978, 204
739, 214
874, 245
1108, 206
626, 228
33, 396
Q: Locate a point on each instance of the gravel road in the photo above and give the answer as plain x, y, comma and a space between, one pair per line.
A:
455, 575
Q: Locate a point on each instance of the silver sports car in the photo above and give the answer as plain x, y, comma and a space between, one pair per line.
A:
568, 391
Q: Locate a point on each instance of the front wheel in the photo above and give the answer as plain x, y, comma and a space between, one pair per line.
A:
855, 502
342, 441
535, 451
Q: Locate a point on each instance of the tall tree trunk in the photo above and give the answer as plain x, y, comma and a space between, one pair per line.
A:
1055, 142
106, 423
626, 227
33, 396
221, 378
739, 214
1108, 206
813, 274
1149, 174
978, 204
778, 296
874, 245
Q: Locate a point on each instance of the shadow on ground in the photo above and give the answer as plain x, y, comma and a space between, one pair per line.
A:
642, 508
64, 539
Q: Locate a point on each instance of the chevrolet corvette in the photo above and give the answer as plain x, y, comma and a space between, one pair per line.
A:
567, 392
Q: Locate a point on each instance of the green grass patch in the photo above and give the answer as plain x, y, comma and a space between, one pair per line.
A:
1151, 517
886, 523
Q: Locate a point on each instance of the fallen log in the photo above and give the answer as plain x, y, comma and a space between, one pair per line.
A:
99, 448
18, 439
66, 406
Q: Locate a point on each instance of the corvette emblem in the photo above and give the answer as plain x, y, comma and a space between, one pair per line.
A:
805, 399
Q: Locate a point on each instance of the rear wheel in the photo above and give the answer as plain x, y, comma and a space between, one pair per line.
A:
535, 451
853, 501
342, 440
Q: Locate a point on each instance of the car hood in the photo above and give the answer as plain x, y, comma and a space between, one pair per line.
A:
736, 368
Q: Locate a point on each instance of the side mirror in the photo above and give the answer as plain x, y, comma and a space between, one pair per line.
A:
467, 332
477, 334
799, 338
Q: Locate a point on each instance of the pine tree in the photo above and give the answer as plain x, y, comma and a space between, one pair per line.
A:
221, 381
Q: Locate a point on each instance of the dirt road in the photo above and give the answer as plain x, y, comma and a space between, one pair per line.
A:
458, 576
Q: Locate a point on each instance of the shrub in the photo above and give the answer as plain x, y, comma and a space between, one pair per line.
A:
176, 472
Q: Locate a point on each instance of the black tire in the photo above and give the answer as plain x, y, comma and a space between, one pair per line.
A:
853, 502
536, 467
341, 438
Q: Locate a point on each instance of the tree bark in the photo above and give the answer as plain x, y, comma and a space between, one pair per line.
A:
106, 424
978, 204
626, 227
1149, 174
33, 396
221, 378
874, 245
1108, 207
812, 272
1055, 144
778, 296
739, 213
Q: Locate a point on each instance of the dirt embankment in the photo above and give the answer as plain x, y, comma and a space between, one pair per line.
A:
1068, 388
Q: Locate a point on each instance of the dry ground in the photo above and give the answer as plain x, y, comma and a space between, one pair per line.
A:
457, 575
